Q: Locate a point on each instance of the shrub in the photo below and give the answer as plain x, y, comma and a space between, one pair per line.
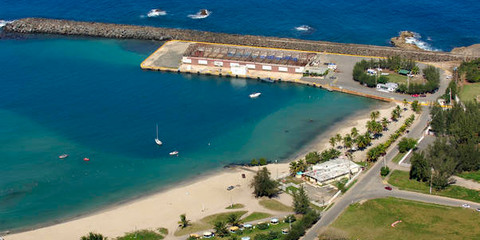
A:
262, 226
406, 144
262, 162
384, 171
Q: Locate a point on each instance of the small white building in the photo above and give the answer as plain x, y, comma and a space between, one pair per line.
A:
387, 87
331, 171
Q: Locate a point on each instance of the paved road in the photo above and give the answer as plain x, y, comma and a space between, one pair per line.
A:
370, 186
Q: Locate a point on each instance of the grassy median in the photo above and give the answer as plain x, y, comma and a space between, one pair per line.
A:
401, 180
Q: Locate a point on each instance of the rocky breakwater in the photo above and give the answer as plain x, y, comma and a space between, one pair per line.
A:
401, 41
93, 29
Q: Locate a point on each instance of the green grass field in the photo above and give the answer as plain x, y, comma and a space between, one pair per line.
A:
399, 156
144, 235
471, 175
275, 205
235, 206
373, 219
397, 78
470, 92
401, 180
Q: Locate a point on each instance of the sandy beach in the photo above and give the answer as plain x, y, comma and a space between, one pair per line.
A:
201, 198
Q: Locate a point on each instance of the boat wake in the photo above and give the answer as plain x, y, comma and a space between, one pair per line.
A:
200, 15
156, 13
417, 40
4, 22
304, 28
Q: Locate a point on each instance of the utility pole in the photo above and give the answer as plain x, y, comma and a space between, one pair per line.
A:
431, 176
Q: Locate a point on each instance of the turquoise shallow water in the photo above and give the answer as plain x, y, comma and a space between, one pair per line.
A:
89, 98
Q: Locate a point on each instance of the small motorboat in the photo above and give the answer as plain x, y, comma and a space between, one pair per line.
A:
63, 156
86, 159
255, 95
156, 13
174, 153
203, 13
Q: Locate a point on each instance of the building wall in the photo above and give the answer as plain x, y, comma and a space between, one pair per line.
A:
250, 65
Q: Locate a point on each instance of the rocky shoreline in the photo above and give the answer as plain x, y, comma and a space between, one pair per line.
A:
400, 41
121, 31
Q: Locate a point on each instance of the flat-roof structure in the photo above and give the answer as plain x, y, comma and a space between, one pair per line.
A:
241, 58
332, 170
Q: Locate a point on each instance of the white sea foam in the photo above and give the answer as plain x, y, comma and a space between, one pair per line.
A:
156, 13
417, 40
4, 22
304, 28
199, 15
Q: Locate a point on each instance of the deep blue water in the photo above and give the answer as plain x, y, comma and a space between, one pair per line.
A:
89, 98
443, 23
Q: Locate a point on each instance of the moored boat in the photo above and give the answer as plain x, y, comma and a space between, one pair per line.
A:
174, 153
86, 159
255, 95
63, 156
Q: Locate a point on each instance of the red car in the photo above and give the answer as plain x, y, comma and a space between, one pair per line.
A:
388, 188
415, 95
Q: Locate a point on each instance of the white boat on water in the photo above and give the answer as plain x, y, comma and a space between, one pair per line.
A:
174, 153
203, 13
63, 156
156, 13
255, 95
157, 141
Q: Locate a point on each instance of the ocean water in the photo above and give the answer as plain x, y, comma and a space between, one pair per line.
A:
441, 24
89, 98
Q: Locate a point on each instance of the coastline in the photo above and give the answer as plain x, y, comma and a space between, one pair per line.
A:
213, 182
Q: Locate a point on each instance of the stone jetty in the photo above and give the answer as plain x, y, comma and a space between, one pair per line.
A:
120, 31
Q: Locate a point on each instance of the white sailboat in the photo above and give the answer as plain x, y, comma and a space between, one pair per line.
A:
157, 141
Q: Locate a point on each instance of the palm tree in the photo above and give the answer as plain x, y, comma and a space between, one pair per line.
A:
333, 141
233, 219
338, 137
374, 115
93, 236
184, 222
384, 123
354, 132
347, 141
220, 229
362, 141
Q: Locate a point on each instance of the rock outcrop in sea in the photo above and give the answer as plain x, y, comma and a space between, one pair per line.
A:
401, 41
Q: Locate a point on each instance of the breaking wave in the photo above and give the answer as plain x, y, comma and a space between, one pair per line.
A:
156, 13
417, 40
4, 22
304, 28
201, 14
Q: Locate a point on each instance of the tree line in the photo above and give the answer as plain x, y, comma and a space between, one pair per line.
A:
396, 63
456, 148
470, 70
